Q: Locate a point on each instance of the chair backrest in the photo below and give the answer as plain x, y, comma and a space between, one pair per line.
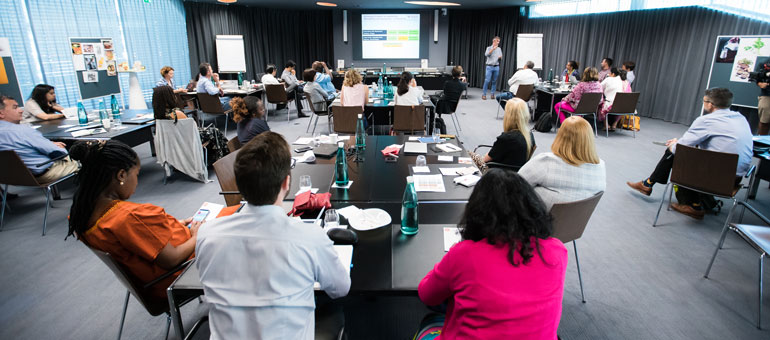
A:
409, 118
15, 172
589, 103
179, 145
571, 218
276, 93
131, 284
310, 103
345, 118
225, 170
234, 144
210, 103
625, 102
705, 170
524, 92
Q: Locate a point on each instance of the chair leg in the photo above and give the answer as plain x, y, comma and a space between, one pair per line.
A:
633, 125
721, 242
454, 121
596, 129
309, 122
168, 325
662, 199
580, 276
123, 317
47, 204
316, 123
761, 273
2, 214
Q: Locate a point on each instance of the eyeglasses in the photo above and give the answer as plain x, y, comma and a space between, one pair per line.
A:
707, 101
293, 163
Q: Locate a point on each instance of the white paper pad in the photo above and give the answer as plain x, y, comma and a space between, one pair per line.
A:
451, 236
81, 133
303, 141
345, 254
467, 180
64, 126
428, 183
469, 170
307, 157
348, 211
334, 185
464, 160
447, 147
70, 112
421, 169
213, 208
411, 147
446, 158
415, 138
313, 190
368, 219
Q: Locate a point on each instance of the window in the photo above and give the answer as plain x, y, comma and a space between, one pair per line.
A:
759, 10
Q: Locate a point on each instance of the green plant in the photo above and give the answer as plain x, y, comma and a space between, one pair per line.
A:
756, 46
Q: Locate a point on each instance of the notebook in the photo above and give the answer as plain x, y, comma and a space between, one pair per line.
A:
411, 147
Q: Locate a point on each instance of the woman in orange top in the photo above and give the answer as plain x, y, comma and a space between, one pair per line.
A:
142, 237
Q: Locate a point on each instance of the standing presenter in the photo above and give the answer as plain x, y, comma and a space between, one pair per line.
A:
493, 56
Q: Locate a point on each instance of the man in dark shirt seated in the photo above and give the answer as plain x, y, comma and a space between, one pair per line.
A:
453, 89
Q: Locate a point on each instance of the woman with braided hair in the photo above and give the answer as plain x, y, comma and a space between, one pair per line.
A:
142, 237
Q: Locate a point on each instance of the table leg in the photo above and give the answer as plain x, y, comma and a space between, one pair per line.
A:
432, 120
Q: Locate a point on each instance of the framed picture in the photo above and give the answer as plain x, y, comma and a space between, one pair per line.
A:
107, 44
88, 48
109, 55
90, 61
77, 49
90, 76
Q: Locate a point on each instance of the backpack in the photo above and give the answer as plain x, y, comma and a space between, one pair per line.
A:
544, 123
217, 146
439, 124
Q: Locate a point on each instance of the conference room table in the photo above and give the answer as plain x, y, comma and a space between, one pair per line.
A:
381, 109
429, 81
385, 262
547, 91
136, 129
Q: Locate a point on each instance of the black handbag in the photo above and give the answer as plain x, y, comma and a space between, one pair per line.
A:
544, 123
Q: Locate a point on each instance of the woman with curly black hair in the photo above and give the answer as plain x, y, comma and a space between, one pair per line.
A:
142, 237
505, 279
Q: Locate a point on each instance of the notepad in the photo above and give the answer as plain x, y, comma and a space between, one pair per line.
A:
428, 183
345, 255
451, 237
411, 147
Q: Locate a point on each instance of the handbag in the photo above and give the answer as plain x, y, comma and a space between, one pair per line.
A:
631, 122
544, 123
308, 201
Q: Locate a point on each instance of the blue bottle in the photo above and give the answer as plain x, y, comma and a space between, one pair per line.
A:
409, 225
360, 133
82, 115
115, 111
341, 166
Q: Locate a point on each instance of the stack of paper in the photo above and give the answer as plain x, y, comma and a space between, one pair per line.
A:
467, 180
448, 147
451, 237
411, 147
428, 183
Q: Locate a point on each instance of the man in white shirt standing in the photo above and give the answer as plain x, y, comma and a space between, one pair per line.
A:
525, 76
258, 266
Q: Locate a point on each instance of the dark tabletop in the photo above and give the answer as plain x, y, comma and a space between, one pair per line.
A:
52, 129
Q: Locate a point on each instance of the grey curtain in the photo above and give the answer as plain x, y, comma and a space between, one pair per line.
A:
672, 49
471, 31
270, 35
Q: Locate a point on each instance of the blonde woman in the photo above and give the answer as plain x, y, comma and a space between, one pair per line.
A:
572, 170
354, 92
515, 145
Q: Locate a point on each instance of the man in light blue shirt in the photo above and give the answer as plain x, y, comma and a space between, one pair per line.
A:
258, 266
718, 129
31, 146
323, 77
492, 56
206, 86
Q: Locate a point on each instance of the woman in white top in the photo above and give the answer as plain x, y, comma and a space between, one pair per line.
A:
354, 92
41, 105
407, 92
572, 171
613, 84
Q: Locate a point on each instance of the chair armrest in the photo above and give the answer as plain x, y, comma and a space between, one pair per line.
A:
482, 146
181, 266
229, 192
751, 171
755, 212
53, 159
502, 166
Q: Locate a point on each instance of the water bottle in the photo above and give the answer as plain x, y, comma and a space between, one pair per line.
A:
550, 75
383, 68
102, 110
115, 111
360, 133
82, 115
240, 79
380, 84
409, 223
341, 166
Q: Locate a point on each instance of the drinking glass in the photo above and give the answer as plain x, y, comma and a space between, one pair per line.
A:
420, 161
436, 134
305, 183
331, 220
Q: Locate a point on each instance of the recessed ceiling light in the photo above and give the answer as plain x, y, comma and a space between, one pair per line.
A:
432, 3
227, 1
327, 4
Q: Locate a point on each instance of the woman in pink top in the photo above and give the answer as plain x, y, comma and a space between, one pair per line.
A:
505, 279
588, 84
354, 92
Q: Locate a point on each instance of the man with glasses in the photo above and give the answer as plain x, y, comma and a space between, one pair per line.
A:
718, 129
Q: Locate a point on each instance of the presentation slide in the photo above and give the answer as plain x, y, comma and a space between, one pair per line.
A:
390, 36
